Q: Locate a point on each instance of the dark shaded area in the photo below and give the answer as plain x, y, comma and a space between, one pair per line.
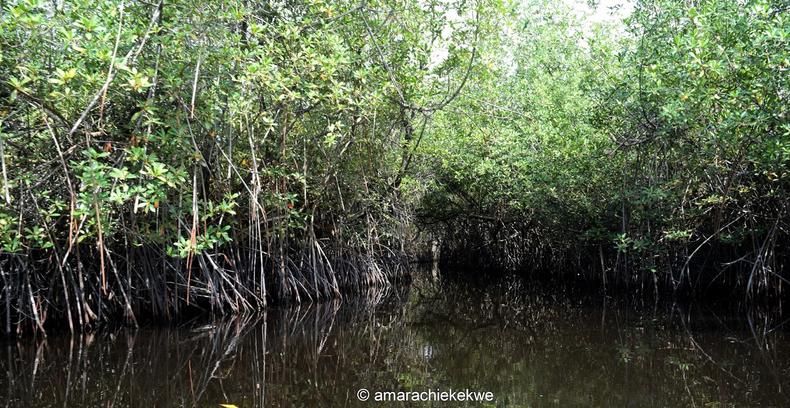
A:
529, 344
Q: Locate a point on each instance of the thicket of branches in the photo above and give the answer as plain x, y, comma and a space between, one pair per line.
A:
653, 153
157, 156
219, 155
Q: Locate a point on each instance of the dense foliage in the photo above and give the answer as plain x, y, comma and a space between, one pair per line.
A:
156, 155
660, 155
229, 152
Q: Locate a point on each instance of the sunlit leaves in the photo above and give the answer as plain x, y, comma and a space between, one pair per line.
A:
63, 77
137, 81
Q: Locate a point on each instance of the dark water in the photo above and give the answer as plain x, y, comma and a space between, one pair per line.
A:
529, 347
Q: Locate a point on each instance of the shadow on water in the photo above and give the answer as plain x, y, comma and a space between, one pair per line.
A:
528, 345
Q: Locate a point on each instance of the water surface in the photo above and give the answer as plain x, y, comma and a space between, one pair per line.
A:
529, 346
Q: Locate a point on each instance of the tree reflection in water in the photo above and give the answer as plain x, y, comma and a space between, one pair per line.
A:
527, 345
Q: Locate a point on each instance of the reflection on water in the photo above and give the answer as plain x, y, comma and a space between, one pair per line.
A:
529, 347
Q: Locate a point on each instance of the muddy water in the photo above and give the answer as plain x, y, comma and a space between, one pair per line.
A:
528, 346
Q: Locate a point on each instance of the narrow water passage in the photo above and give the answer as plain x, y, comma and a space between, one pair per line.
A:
524, 345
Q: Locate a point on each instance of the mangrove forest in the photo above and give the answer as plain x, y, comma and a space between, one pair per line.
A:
170, 158
358, 203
